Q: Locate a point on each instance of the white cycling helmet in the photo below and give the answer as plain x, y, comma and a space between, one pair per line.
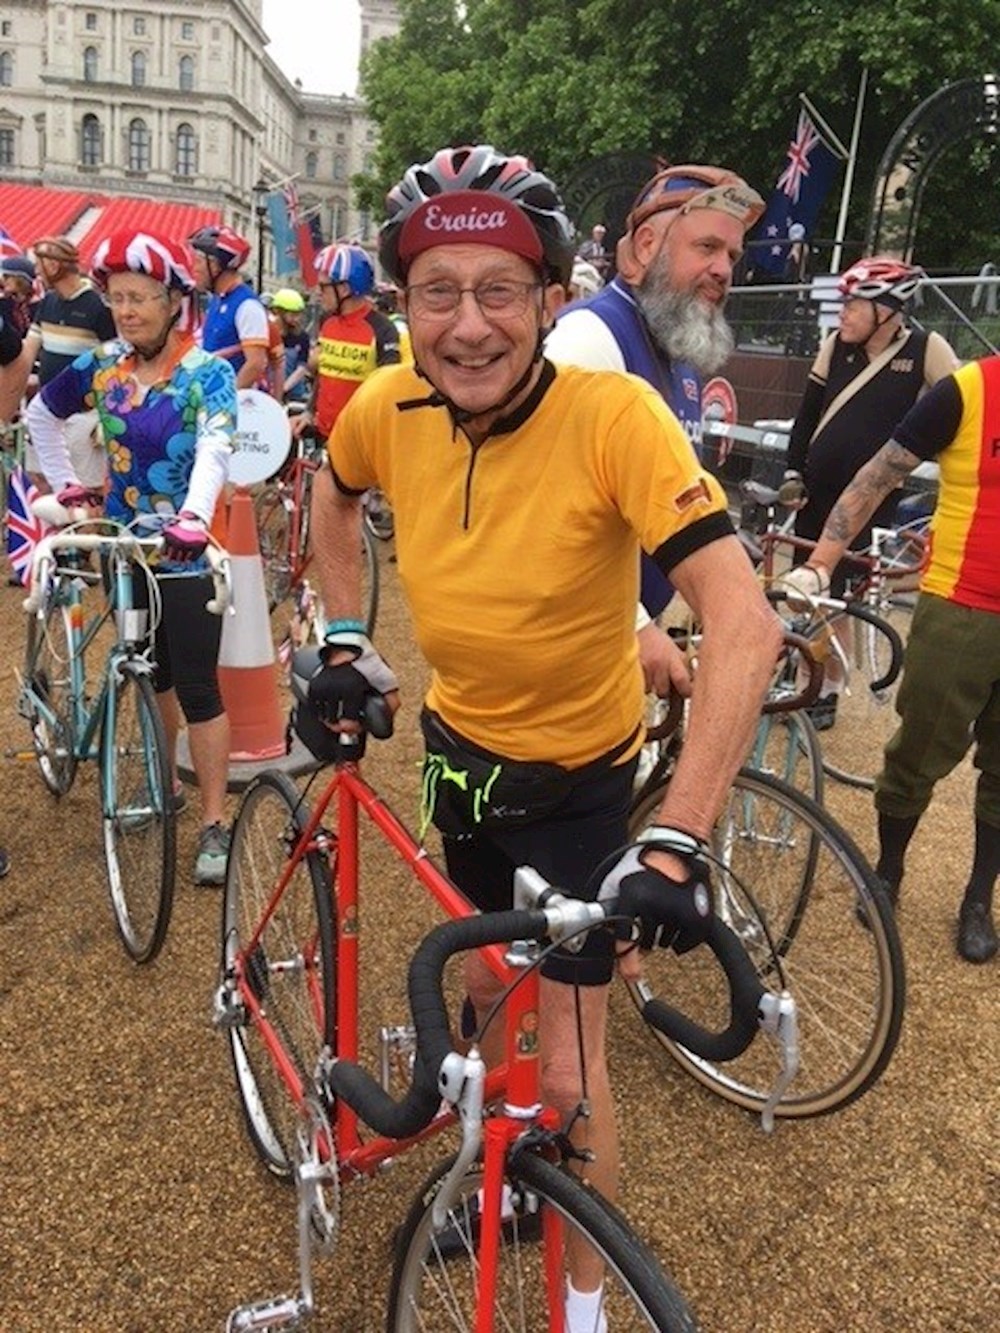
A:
585, 279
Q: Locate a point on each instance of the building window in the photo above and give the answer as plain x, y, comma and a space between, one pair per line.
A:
312, 136
138, 69
139, 25
138, 145
340, 136
6, 148
90, 64
6, 68
90, 21
185, 78
338, 166
90, 141
311, 164
6, 28
187, 31
187, 151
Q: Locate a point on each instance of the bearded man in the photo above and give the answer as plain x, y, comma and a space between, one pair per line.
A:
661, 318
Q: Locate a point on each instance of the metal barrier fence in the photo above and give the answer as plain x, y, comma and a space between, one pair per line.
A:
790, 320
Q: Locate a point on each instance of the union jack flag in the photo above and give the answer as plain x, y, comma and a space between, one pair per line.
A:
810, 166
24, 529
8, 246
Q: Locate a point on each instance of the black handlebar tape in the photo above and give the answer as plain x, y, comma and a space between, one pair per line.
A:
890, 632
408, 1116
378, 717
745, 993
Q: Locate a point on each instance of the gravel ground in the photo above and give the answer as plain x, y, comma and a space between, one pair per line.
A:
132, 1202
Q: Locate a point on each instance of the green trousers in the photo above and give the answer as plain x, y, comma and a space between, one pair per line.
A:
948, 700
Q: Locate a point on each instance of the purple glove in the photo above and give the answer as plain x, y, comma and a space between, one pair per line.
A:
185, 537
77, 496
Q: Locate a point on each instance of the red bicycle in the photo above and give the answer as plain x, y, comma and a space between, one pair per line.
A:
282, 508
484, 1244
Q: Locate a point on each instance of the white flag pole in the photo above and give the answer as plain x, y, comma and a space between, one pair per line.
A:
845, 198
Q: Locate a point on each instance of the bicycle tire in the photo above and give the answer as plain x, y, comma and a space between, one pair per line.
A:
787, 747
370, 593
807, 879
47, 696
291, 970
379, 518
140, 831
866, 719
430, 1291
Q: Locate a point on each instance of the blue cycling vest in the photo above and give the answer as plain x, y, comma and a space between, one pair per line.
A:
678, 385
218, 331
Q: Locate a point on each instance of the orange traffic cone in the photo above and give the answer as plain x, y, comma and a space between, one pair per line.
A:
248, 677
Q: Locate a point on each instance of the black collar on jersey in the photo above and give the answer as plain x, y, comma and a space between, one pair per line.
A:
502, 425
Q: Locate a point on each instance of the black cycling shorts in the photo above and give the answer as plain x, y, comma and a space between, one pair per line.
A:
566, 847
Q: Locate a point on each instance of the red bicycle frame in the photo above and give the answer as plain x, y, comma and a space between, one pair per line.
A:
517, 1081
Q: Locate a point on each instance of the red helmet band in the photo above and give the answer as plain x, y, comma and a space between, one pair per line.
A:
469, 217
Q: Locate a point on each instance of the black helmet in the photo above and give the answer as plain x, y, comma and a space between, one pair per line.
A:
412, 224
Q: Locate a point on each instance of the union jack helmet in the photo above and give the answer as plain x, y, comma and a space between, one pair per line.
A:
490, 185
881, 278
348, 264
222, 244
130, 251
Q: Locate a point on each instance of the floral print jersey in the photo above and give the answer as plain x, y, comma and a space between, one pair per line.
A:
151, 432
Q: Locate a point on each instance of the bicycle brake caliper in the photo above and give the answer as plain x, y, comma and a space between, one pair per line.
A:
779, 1016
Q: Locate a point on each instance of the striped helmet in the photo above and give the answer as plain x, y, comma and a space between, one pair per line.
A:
130, 251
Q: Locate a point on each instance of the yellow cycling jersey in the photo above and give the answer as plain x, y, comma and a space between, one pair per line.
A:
520, 556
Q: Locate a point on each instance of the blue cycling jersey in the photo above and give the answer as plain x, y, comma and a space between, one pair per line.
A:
679, 385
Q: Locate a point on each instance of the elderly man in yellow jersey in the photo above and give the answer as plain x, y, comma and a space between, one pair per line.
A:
522, 493
949, 698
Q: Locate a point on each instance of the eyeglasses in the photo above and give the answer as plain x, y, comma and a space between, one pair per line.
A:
440, 300
131, 299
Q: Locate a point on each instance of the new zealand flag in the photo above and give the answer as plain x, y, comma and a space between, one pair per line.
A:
808, 173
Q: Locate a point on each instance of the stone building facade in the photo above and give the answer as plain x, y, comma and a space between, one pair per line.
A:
176, 100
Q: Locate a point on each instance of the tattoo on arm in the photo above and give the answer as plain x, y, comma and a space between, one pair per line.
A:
871, 484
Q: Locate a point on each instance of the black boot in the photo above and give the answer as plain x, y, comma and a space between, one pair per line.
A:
977, 935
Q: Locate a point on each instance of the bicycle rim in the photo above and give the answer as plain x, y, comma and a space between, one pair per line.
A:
139, 821
805, 879
273, 533
435, 1286
48, 687
290, 972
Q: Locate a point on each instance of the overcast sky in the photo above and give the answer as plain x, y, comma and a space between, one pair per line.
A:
315, 41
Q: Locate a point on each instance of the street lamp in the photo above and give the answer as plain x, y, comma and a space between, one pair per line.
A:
260, 193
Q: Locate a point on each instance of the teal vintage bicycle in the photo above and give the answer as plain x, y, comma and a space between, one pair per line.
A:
83, 601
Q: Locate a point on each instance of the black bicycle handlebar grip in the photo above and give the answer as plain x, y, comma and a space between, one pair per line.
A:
378, 717
408, 1116
745, 994
895, 644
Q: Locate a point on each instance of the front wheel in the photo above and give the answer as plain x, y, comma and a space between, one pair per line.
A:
47, 695
793, 887
281, 955
138, 809
436, 1275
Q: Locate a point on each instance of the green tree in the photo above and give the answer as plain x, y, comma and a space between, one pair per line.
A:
565, 81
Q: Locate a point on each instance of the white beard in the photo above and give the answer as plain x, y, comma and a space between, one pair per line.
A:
683, 326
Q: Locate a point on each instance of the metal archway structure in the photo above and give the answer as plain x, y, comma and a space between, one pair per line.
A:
603, 189
955, 112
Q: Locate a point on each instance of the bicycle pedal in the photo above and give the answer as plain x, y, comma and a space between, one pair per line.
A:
397, 1055
287, 1312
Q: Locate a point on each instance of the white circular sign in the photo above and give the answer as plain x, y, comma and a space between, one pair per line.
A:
263, 438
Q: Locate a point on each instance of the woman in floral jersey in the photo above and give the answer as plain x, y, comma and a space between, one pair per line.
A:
167, 411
